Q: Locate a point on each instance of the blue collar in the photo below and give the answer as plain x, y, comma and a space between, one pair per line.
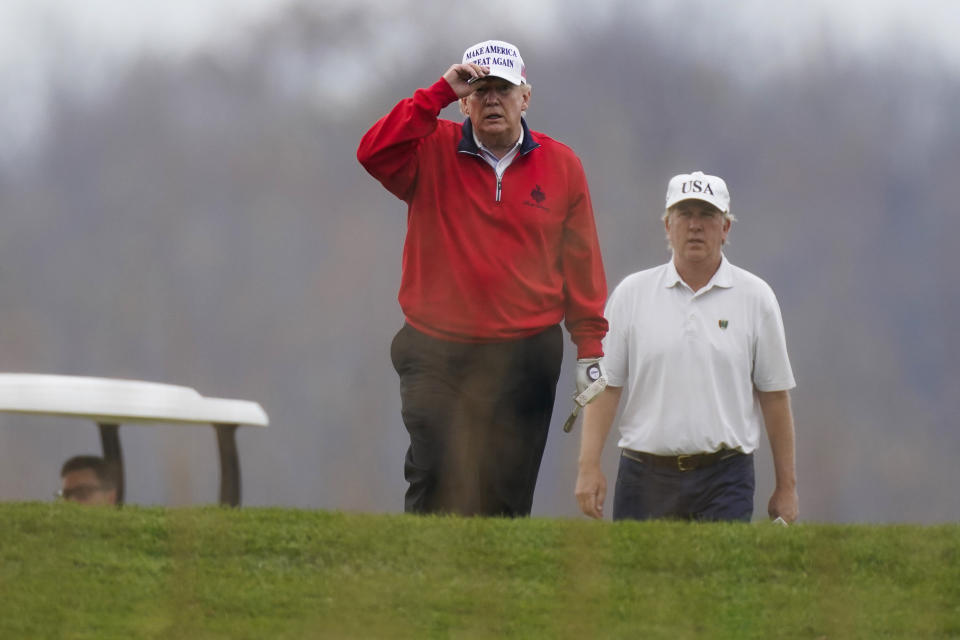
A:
467, 145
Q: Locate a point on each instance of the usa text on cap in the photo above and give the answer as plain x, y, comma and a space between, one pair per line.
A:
502, 57
698, 186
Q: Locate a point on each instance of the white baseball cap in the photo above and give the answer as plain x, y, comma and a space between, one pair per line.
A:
502, 57
698, 186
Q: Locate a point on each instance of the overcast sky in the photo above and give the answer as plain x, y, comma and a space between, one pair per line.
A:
117, 27
83, 42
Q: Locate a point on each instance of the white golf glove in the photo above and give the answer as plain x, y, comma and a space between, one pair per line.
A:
591, 380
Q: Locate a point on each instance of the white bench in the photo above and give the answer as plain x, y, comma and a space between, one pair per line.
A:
112, 402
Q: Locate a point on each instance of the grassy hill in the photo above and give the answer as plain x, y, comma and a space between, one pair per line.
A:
73, 572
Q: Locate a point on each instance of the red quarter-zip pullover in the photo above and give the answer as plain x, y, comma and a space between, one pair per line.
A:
483, 261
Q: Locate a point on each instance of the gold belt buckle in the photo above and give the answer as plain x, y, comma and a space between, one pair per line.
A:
683, 461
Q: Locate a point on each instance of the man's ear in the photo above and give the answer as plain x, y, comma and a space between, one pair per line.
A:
526, 98
464, 109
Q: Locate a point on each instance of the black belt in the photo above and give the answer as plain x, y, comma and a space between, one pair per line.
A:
682, 462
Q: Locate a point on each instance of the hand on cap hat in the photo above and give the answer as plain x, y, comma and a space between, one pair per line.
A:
460, 77
488, 58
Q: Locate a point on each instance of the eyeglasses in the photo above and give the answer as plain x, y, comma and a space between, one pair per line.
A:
79, 492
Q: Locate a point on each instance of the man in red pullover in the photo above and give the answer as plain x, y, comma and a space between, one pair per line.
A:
501, 246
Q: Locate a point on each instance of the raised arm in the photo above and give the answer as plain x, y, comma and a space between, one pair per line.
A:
388, 151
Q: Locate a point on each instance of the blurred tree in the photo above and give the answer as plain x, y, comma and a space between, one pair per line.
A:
204, 221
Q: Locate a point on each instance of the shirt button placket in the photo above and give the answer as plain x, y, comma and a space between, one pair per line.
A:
690, 321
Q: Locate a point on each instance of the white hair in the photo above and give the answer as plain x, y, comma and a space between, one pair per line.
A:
726, 214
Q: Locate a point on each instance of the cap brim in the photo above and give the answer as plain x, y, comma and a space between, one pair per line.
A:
700, 197
494, 74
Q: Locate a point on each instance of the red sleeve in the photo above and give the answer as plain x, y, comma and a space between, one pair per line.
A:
583, 274
388, 151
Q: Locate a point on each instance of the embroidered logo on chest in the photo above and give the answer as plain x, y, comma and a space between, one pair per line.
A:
538, 197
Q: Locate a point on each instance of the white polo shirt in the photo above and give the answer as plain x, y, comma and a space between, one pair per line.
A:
689, 363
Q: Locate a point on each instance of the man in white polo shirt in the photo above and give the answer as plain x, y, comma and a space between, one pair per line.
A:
696, 350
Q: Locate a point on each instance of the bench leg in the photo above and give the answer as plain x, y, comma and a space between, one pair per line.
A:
110, 442
229, 464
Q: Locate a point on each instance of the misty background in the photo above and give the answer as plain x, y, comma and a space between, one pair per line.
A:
180, 202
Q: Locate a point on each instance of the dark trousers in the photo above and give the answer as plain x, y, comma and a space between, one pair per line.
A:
722, 491
478, 416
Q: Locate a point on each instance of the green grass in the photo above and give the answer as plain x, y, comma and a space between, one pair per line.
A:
73, 572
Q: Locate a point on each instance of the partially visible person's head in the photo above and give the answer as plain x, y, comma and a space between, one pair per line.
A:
496, 106
697, 217
89, 480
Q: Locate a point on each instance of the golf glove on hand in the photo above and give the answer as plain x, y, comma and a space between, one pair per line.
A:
591, 380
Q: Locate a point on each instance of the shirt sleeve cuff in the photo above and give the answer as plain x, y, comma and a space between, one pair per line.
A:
590, 348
